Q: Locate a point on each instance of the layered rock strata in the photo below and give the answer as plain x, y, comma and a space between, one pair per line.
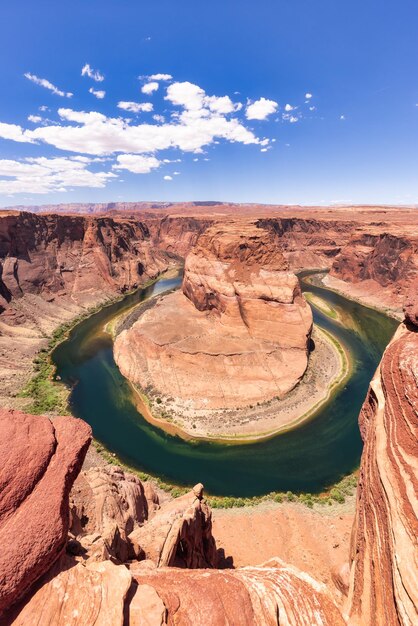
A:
40, 461
384, 552
235, 335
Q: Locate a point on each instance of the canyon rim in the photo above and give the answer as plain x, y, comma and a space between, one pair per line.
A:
208, 313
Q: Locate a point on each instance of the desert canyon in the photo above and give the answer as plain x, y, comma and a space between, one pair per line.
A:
85, 541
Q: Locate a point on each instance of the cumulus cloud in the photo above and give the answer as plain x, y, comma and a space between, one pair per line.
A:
98, 93
136, 107
87, 70
36, 119
160, 77
14, 133
149, 88
200, 120
288, 107
168, 178
261, 109
308, 96
136, 163
94, 133
43, 82
43, 175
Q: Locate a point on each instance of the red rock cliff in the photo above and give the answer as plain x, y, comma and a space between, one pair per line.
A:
384, 552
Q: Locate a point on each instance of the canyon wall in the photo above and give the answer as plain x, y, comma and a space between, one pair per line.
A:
384, 551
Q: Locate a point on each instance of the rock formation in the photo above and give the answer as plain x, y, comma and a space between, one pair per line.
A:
269, 595
116, 516
237, 333
384, 552
180, 534
40, 461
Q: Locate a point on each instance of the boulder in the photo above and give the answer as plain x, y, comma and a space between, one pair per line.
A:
40, 461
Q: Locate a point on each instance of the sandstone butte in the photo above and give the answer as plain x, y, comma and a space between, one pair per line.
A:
128, 554
236, 334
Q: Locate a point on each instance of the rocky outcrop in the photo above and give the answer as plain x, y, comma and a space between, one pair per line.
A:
116, 516
269, 595
105, 594
40, 461
384, 550
74, 594
237, 334
180, 534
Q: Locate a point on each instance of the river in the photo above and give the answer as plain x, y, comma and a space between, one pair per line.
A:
307, 459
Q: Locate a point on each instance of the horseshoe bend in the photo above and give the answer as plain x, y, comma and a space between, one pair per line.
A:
242, 344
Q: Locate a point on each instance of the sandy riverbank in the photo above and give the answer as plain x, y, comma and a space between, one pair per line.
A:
328, 368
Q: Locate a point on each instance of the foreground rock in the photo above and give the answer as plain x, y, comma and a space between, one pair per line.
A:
236, 335
384, 552
73, 594
40, 460
105, 594
269, 595
116, 516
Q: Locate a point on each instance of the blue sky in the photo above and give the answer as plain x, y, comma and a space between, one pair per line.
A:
285, 101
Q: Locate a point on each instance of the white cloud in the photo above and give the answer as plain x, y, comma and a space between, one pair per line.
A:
293, 119
187, 95
36, 119
44, 175
136, 107
98, 93
160, 77
14, 133
87, 70
176, 173
43, 108
342, 117
43, 82
288, 107
260, 109
201, 121
149, 88
136, 163
308, 96
168, 178
312, 108
159, 118
193, 98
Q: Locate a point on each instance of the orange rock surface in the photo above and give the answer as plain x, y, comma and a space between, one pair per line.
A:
237, 333
384, 550
40, 461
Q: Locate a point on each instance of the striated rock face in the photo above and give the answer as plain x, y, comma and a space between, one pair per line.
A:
377, 267
384, 551
76, 256
269, 595
40, 460
238, 334
274, 594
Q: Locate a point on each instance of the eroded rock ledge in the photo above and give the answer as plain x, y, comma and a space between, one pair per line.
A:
236, 334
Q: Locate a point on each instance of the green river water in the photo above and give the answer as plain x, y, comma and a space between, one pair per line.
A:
308, 459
